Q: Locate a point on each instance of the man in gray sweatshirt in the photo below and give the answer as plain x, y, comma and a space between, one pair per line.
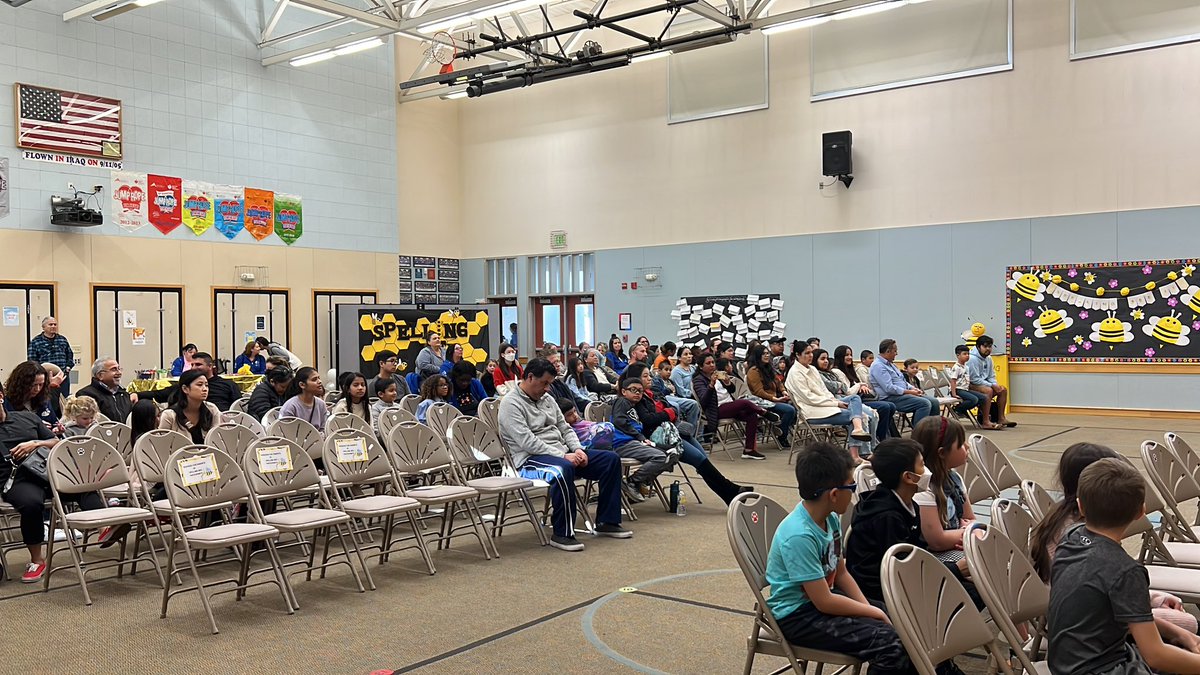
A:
544, 446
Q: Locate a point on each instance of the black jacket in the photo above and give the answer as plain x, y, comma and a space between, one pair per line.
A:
593, 384
115, 406
222, 392
262, 399
880, 521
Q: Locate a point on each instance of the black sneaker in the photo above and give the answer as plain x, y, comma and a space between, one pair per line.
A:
566, 543
784, 443
631, 492
771, 416
752, 454
611, 530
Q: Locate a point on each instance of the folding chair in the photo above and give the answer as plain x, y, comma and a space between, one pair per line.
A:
299, 432
475, 447
81, 465
355, 459
1036, 499
390, 417
245, 419
278, 469
1016, 524
932, 613
116, 434
239, 405
978, 487
807, 432
1175, 486
409, 402
270, 417
419, 451
489, 412
598, 411
346, 420
230, 438
202, 478
1186, 455
439, 416
992, 463
1010, 587
751, 523
1177, 573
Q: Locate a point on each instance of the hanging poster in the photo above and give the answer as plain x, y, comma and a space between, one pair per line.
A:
129, 200
260, 213
129, 318
163, 207
139, 337
706, 320
403, 329
289, 218
197, 206
3, 186
12, 316
230, 210
1143, 311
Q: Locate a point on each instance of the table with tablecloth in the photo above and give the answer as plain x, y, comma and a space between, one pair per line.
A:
245, 383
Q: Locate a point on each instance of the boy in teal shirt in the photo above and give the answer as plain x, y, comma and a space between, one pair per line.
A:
805, 566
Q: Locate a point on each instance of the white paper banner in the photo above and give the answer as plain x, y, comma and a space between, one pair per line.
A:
129, 200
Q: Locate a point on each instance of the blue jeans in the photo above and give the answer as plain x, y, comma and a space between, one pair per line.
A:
691, 452
845, 418
688, 409
920, 406
887, 418
970, 400
787, 417
603, 466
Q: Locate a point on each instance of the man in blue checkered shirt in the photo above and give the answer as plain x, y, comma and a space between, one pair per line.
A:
50, 347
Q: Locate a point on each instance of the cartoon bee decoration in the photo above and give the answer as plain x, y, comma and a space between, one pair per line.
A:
972, 334
1169, 329
1052, 321
1027, 285
1192, 300
1112, 330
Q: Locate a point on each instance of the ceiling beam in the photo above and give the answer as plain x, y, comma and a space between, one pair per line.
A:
276, 15
88, 9
709, 12
350, 13
284, 57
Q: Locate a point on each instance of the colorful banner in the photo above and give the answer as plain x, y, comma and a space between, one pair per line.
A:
3, 186
260, 213
129, 200
198, 213
1145, 311
289, 218
164, 206
230, 210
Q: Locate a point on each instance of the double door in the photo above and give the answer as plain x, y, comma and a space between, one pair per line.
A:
564, 320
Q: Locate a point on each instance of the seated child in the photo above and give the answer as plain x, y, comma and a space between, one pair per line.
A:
911, 368
960, 385
945, 511
80, 412
863, 368
435, 389
1099, 596
385, 391
631, 443
804, 567
591, 435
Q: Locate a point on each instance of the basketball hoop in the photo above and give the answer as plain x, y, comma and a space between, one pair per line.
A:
442, 49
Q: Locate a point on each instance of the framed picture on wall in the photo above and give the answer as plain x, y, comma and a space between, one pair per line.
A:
67, 122
625, 321
447, 263
406, 298
447, 275
425, 286
447, 299
426, 298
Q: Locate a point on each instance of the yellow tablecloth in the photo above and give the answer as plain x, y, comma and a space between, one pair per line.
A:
244, 382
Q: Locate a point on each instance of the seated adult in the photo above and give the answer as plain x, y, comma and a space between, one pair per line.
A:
21, 434
508, 370
189, 411
616, 355
889, 384
454, 354
543, 445
222, 393
665, 353
270, 392
847, 373
252, 358
27, 390
466, 391
642, 356
842, 392
760, 378
111, 397
304, 400
388, 362
682, 373
431, 357
983, 380
278, 362
715, 391
184, 360
606, 378
818, 406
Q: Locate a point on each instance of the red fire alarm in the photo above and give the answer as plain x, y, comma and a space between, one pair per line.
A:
624, 286
634, 285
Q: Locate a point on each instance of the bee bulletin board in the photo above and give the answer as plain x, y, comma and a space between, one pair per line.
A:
1145, 311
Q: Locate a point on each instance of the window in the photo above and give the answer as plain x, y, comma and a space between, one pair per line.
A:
501, 277
562, 274
1100, 27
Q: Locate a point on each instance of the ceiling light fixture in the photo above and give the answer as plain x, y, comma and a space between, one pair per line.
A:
465, 18
818, 19
868, 9
795, 25
361, 45
122, 7
323, 55
640, 58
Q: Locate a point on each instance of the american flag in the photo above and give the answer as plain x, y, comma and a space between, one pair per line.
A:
67, 122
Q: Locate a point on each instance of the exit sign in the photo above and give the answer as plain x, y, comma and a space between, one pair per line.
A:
558, 240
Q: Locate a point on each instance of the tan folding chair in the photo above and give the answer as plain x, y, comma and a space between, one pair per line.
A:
1190, 459
355, 459
489, 412
932, 613
1177, 574
598, 411
116, 434
279, 470
230, 438
1036, 499
301, 433
345, 420
201, 478
439, 416
751, 522
978, 487
245, 419
1009, 518
78, 466
1011, 589
270, 417
417, 451
390, 417
409, 402
240, 405
1175, 486
992, 463
475, 448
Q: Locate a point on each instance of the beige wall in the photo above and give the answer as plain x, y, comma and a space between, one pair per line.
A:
74, 261
594, 155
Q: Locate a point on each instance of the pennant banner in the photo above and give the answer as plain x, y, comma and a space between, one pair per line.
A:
129, 200
230, 210
289, 218
3, 186
260, 213
163, 207
197, 206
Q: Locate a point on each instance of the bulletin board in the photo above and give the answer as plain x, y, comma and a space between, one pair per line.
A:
729, 318
1143, 311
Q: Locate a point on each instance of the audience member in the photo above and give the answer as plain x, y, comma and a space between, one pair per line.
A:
642, 356
184, 360
80, 413
27, 389
666, 353
591, 435
56, 378
389, 362
628, 411
715, 392
814, 342
251, 358
189, 411
273, 348
863, 368
606, 378
912, 373
581, 381
142, 418
431, 357
616, 355
277, 362
1099, 596
983, 380
845, 370
555, 358
544, 445
805, 565
466, 391
454, 354
959, 378
385, 392
760, 379
508, 372
304, 399
488, 380
352, 397
838, 388
434, 389
512, 334
683, 372
890, 385
222, 393
270, 392
107, 391
945, 511
820, 407
664, 390
51, 347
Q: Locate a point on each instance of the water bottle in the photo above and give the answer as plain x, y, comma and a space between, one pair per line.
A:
682, 505
674, 500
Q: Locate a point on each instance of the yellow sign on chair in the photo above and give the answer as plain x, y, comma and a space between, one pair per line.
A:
198, 469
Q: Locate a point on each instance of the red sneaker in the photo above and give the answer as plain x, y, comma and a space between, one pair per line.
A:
33, 573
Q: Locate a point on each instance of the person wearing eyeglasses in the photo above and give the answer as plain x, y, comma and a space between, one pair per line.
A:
628, 417
115, 403
389, 363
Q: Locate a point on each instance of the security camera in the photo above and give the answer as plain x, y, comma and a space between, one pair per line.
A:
651, 277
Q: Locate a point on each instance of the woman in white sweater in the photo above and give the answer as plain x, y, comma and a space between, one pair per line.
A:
807, 390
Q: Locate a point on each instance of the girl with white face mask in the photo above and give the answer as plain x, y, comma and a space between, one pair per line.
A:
508, 372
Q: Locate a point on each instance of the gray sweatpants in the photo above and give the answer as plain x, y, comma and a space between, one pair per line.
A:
654, 461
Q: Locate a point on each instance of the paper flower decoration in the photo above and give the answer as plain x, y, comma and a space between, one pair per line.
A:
1045, 276
1150, 353
1083, 314
1089, 278
1072, 272
1171, 301
1087, 344
1029, 313
1071, 349
1188, 269
1113, 283
1138, 314
1078, 339
1026, 342
1018, 330
1147, 270
1196, 325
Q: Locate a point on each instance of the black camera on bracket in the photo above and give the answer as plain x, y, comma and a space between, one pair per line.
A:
70, 212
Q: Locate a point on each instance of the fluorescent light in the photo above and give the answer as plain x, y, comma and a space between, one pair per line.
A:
359, 46
486, 13
869, 9
323, 55
794, 25
454, 95
649, 57
120, 8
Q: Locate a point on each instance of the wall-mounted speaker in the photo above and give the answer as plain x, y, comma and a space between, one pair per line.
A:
835, 155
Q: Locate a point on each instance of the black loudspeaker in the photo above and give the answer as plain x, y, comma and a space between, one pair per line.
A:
835, 155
